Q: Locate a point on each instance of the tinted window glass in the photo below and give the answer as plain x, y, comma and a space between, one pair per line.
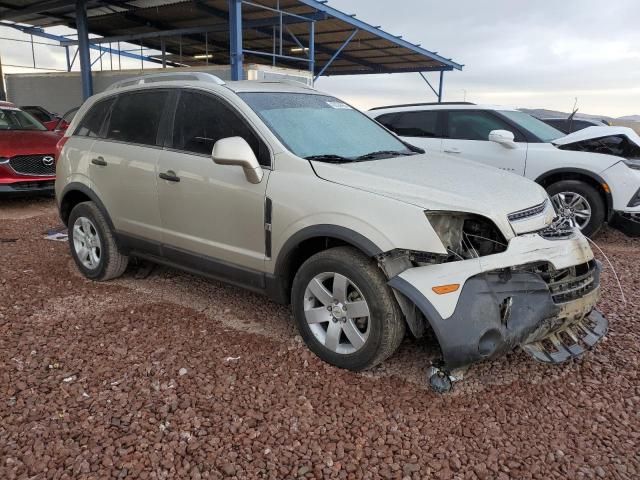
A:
92, 122
37, 114
562, 125
135, 117
201, 120
473, 125
411, 124
543, 131
14, 119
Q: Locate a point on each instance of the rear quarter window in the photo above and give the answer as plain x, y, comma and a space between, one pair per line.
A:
135, 117
91, 124
411, 124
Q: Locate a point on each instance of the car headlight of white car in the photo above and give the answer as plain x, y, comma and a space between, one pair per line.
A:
466, 235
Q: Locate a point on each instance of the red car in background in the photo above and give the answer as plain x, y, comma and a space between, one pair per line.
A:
52, 121
27, 153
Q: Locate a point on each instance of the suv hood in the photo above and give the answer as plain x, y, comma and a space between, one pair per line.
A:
590, 133
435, 182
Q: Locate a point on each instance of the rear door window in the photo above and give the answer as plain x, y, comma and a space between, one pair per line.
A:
92, 122
412, 124
474, 125
136, 116
201, 120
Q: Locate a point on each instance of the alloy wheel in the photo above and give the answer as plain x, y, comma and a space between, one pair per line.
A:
337, 313
86, 243
572, 208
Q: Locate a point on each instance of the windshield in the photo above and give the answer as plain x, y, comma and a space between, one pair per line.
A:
544, 132
320, 127
14, 119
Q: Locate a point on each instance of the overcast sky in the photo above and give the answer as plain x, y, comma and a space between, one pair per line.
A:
531, 54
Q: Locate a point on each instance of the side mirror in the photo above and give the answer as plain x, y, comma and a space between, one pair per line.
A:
236, 151
503, 137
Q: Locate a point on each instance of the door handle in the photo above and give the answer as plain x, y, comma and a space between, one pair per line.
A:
451, 150
170, 176
99, 161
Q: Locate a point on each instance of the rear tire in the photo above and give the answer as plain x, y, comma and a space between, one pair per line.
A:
345, 311
93, 246
570, 190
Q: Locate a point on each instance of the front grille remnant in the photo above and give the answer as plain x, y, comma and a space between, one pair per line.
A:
39, 165
527, 212
573, 282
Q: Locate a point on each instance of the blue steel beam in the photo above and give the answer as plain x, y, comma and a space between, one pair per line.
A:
38, 32
83, 47
353, 71
359, 24
335, 55
428, 83
437, 93
312, 48
235, 38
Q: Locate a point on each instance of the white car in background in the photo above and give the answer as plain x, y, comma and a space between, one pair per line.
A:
592, 176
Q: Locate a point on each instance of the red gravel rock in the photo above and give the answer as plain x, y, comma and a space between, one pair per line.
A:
277, 411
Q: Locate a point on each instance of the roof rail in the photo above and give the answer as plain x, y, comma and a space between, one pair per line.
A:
168, 77
422, 105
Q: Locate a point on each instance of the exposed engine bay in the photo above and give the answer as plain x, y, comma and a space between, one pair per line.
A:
618, 145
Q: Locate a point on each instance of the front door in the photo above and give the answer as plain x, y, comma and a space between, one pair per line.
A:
467, 136
208, 210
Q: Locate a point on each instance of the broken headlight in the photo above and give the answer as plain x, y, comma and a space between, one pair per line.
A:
466, 235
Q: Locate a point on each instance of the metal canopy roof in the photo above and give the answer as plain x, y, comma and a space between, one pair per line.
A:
186, 29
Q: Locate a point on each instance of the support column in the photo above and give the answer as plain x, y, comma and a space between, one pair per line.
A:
312, 50
235, 38
83, 48
440, 85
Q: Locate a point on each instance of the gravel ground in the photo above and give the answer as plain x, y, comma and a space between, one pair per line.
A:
171, 376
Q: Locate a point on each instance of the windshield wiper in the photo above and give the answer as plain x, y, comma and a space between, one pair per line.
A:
384, 153
329, 157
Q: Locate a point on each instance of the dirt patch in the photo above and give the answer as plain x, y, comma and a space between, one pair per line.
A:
23, 208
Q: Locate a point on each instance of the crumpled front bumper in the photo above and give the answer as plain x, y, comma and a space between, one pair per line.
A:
499, 308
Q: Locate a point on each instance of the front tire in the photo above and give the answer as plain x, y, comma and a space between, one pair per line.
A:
93, 246
579, 204
345, 311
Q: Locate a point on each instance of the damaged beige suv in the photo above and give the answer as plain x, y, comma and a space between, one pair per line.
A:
286, 191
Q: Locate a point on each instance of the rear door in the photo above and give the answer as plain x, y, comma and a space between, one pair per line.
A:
422, 128
467, 136
211, 215
124, 163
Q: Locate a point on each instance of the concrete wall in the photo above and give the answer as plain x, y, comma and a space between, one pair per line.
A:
60, 92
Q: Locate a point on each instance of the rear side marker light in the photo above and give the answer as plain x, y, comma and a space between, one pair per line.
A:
443, 289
